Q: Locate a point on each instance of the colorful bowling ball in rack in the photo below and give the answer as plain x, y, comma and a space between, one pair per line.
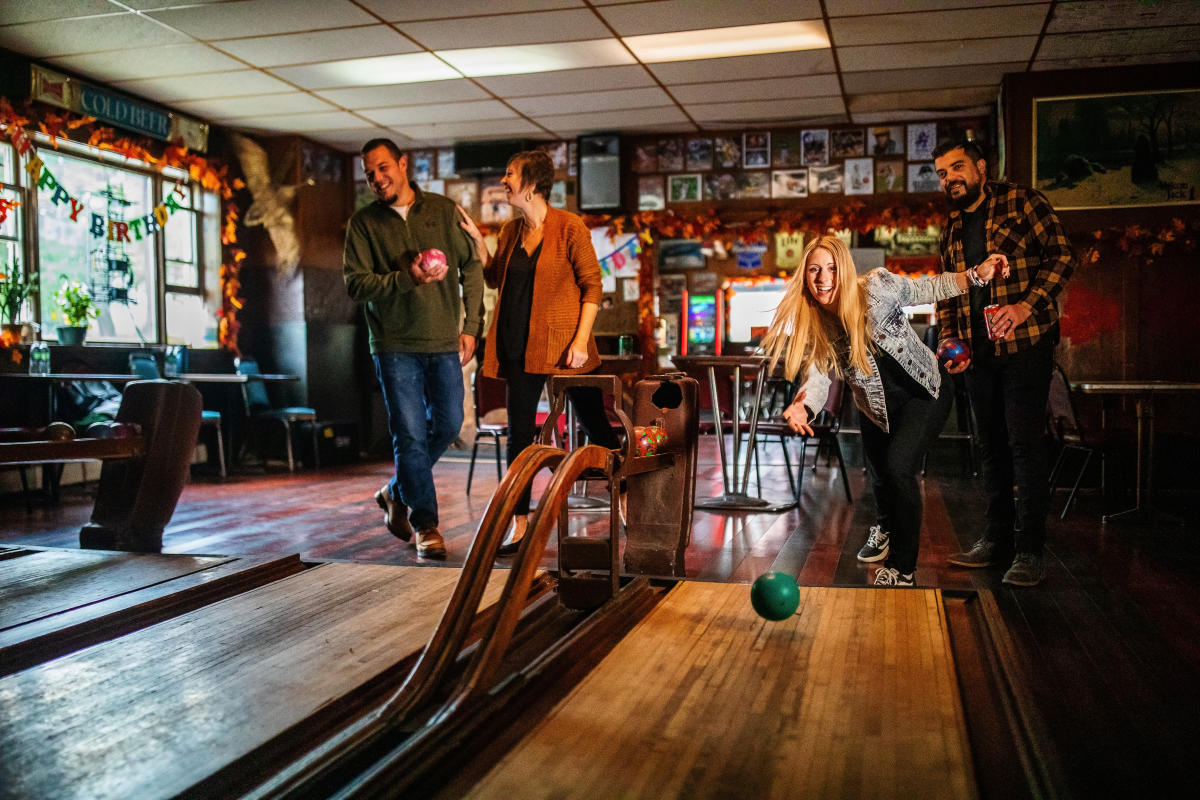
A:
648, 439
954, 350
775, 596
60, 432
113, 430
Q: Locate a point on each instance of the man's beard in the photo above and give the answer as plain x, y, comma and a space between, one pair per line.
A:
968, 197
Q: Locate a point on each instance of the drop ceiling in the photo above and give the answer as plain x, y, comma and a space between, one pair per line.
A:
422, 71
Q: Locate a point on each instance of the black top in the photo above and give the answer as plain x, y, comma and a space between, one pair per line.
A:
974, 253
512, 329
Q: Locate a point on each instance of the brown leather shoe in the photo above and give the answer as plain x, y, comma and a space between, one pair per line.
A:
395, 515
430, 543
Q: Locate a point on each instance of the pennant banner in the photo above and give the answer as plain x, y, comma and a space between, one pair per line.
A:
100, 226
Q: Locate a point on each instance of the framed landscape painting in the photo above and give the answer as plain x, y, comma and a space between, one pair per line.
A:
1118, 150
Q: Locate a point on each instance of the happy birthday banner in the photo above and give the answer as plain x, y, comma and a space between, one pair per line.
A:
100, 226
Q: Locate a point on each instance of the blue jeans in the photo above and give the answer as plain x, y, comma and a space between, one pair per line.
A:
423, 394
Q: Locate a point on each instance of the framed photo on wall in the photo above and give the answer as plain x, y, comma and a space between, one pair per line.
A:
860, 175
887, 140
1118, 150
645, 157
652, 196
699, 154
670, 155
816, 148
756, 150
684, 189
922, 138
922, 178
827, 180
727, 153
849, 143
789, 183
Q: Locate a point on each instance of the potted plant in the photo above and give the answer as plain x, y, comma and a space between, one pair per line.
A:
15, 288
75, 309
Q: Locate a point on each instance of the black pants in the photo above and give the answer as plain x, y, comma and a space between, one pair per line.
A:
894, 459
1009, 396
524, 391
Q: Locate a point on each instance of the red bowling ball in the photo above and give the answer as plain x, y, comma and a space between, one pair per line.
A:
953, 350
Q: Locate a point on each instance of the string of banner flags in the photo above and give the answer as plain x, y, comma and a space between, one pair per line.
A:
100, 226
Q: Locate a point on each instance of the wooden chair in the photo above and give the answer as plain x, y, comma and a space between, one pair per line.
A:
489, 395
260, 410
144, 365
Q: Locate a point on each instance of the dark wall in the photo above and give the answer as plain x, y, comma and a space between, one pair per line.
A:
1125, 315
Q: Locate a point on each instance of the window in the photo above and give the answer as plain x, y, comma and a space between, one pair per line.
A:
11, 251
155, 280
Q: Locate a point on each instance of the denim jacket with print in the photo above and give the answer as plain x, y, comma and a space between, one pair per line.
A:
887, 295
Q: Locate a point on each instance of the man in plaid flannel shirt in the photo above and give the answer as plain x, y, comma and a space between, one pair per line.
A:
1009, 378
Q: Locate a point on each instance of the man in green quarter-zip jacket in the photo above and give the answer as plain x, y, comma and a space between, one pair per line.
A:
419, 336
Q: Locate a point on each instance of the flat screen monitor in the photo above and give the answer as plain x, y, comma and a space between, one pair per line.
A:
600, 173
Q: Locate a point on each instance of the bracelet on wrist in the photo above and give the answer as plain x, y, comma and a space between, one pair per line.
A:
976, 280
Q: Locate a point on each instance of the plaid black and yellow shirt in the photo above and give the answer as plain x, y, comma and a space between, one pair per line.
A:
1021, 225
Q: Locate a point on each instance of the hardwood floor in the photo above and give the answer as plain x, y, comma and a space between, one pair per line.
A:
1111, 640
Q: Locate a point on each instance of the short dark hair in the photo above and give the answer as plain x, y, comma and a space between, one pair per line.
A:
969, 148
536, 170
395, 151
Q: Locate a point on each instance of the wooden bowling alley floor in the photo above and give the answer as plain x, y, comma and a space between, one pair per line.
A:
1108, 646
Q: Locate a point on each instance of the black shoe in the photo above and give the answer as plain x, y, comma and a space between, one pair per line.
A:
982, 554
395, 515
509, 549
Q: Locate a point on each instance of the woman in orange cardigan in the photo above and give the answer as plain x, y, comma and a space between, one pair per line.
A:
549, 282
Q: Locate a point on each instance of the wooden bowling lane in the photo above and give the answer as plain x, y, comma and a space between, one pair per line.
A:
855, 696
54, 602
185, 704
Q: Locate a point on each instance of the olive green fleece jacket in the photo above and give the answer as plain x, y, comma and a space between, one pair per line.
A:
404, 317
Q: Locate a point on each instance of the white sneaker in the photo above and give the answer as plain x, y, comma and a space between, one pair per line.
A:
876, 548
890, 576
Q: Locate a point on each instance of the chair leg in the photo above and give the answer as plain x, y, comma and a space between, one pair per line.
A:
287, 432
1071, 497
836, 446
787, 465
220, 450
316, 450
757, 470
800, 467
1062, 454
471, 469
499, 472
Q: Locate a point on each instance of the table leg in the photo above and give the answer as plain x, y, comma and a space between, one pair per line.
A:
1143, 508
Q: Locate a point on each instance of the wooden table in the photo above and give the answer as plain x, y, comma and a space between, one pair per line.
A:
735, 496
1143, 393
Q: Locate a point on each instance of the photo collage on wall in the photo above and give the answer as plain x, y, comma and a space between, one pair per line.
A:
797, 163
484, 199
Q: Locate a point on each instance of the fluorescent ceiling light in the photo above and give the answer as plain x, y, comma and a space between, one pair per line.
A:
374, 71
478, 62
744, 40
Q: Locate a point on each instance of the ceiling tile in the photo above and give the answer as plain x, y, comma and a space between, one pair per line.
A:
772, 65
950, 100
975, 23
392, 11
767, 109
1073, 17
853, 8
149, 62
482, 129
18, 11
682, 15
736, 91
900, 80
305, 48
372, 71
230, 108
569, 80
536, 58
505, 29
580, 102
610, 120
1116, 60
262, 17
961, 54
440, 112
405, 94
211, 84
1145, 40
330, 120
86, 35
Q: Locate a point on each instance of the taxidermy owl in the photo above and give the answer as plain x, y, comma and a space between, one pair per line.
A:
272, 203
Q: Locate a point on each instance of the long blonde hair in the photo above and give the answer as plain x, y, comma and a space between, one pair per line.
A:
803, 333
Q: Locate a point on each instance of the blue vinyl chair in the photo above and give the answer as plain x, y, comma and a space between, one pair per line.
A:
144, 365
258, 406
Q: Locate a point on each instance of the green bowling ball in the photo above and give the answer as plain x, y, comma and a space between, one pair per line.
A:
775, 596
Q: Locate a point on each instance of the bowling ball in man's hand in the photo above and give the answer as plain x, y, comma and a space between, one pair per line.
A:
432, 259
775, 596
954, 350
